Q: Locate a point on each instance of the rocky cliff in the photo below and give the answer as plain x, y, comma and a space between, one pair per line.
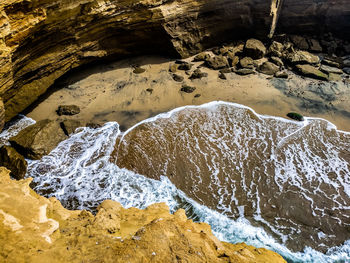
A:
36, 229
40, 40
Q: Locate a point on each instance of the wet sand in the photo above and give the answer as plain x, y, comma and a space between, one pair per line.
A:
112, 92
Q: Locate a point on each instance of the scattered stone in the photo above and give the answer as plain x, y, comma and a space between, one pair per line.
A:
295, 116
185, 66
315, 45
329, 69
198, 74
222, 76
276, 49
277, 61
68, 110
69, 126
139, 70
281, 75
244, 71
346, 70
217, 62
13, 161
39, 139
177, 78
247, 62
204, 56
334, 77
300, 42
311, 71
188, 89
254, 48
197, 95
268, 68
303, 57
173, 67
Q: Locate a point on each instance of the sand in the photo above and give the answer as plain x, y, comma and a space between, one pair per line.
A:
112, 92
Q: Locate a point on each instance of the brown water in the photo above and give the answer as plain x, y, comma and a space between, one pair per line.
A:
291, 178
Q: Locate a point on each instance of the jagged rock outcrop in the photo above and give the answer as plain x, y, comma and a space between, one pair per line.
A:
40, 40
36, 229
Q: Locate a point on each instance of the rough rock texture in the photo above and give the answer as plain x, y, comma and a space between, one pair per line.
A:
39, 139
37, 229
13, 161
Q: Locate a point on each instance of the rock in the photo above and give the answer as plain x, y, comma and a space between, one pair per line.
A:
188, 89
13, 161
232, 59
225, 70
303, 57
300, 42
222, 76
333, 62
217, 62
185, 66
315, 45
138, 70
254, 48
198, 74
329, 69
346, 70
281, 75
334, 77
177, 77
47, 232
346, 63
39, 139
311, 71
268, 68
173, 67
277, 61
2, 115
276, 49
247, 62
295, 116
197, 95
68, 110
244, 71
69, 126
204, 56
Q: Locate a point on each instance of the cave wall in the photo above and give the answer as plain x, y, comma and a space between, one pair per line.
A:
40, 40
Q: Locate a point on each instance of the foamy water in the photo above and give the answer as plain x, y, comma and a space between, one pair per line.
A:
78, 172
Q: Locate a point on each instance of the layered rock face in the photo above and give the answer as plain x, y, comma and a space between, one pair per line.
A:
36, 229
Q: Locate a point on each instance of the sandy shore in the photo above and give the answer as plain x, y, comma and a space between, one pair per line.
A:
112, 92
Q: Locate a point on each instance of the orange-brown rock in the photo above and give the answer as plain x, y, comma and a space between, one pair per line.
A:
36, 229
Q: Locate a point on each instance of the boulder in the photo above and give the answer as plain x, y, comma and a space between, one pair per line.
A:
138, 70
244, 71
2, 115
303, 57
204, 56
268, 68
198, 74
247, 62
217, 62
311, 71
68, 110
39, 139
13, 161
188, 89
69, 126
276, 49
254, 48
177, 78
300, 42
329, 69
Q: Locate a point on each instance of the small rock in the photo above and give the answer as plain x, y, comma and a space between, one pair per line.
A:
13, 161
300, 42
204, 56
244, 71
222, 76
177, 78
198, 74
138, 70
185, 66
329, 69
217, 62
188, 89
281, 75
69, 126
268, 68
303, 57
254, 48
311, 71
295, 116
197, 95
247, 62
225, 70
68, 110
173, 67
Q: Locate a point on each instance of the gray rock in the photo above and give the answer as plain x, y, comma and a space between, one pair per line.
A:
268, 68
303, 57
247, 62
68, 110
329, 69
13, 161
39, 139
254, 48
217, 62
311, 71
